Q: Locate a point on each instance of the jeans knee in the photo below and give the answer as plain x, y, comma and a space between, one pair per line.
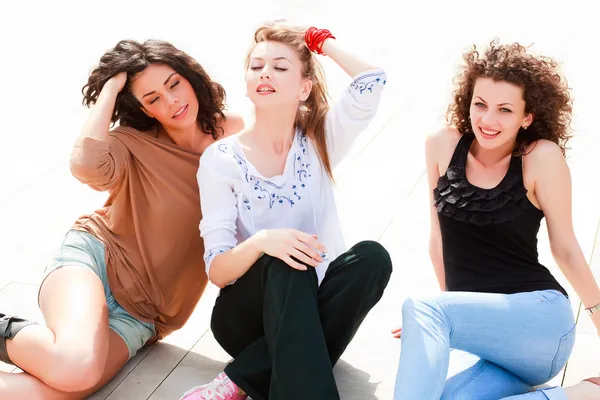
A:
76, 371
410, 310
421, 312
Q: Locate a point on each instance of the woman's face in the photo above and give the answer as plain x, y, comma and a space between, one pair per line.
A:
497, 113
166, 96
274, 76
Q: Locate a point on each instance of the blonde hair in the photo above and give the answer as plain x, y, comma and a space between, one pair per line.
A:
310, 118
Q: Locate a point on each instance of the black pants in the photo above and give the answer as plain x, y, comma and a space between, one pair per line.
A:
285, 332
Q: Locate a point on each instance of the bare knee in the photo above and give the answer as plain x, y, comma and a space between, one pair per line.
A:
76, 371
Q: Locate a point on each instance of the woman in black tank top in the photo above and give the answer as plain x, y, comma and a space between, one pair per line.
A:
494, 174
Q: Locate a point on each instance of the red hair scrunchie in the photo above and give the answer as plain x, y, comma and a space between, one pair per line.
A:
315, 38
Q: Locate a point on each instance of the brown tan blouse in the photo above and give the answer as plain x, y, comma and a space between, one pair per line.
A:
149, 223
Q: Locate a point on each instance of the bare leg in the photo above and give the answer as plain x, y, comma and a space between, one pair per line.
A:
583, 391
71, 354
25, 386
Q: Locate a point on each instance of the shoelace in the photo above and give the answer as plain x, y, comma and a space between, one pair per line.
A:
217, 390
216, 393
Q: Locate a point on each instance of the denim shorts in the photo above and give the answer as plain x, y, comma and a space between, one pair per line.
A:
81, 249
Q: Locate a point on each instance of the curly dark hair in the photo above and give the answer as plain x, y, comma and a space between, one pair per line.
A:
133, 57
545, 91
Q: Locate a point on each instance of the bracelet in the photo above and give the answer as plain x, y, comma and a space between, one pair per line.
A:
315, 38
593, 310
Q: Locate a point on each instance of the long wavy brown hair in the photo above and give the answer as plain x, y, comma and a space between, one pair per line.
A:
133, 57
310, 118
545, 91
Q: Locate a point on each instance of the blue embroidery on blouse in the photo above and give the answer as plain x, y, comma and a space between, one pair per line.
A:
302, 140
264, 194
242, 163
223, 148
273, 184
282, 198
301, 169
270, 191
212, 254
247, 203
368, 82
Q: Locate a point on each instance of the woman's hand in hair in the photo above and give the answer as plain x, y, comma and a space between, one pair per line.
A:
117, 82
291, 246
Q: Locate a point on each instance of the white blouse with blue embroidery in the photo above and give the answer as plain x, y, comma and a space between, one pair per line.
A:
237, 201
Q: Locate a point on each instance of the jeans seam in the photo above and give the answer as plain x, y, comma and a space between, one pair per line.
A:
447, 316
559, 296
455, 395
558, 351
451, 325
95, 239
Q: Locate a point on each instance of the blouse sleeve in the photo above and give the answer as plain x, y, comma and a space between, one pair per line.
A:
353, 112
218, 203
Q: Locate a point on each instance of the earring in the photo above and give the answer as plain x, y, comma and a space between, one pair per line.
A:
525, 127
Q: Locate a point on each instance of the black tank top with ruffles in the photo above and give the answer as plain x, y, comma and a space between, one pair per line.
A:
489, 236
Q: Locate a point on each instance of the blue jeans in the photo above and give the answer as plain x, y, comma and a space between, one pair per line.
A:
523, 340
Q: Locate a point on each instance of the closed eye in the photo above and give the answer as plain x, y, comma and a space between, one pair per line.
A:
175, 84
154, 100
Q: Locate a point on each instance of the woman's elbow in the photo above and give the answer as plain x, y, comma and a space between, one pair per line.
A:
214, 278
565, 255
79, 170
217, 283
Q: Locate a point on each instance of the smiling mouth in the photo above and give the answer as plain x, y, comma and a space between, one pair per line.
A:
180, 112
489, 132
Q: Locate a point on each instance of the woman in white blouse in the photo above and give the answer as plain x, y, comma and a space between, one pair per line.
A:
292, 297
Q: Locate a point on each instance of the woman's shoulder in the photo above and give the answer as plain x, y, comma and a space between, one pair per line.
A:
224, 157
443, 141
128, 130
542, 149
129, 138
541, 154
231, 124
440, 146
220, 149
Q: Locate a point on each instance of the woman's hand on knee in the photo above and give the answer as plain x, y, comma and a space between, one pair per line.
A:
290, 244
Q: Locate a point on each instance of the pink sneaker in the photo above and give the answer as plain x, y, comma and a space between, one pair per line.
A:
221, 388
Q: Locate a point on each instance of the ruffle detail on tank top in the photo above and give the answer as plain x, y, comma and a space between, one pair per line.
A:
456, 198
